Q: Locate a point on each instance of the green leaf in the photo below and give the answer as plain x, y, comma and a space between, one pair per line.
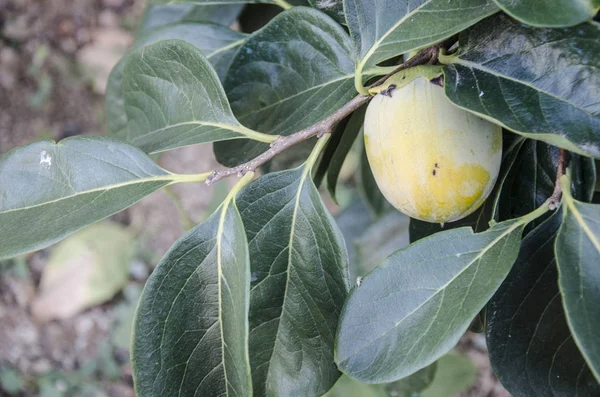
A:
84, 270
415, 306
384, 236
413, 384
50, 190
455, 374
552, 13
287, 76
346, 142
348, 387
173, 98
367, 186
532, 177
326, 158
156, 16
531, 347
578, 259
218, 43
191, 328
540, 83
299, 284
352, 221
12, 382
382, 30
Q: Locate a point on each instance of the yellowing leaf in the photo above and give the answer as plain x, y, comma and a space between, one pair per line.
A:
85, 270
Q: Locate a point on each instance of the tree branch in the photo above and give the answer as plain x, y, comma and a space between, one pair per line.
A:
425, 56
554, 199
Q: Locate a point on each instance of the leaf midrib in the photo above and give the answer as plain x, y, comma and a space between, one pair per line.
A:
166, 178
290, 250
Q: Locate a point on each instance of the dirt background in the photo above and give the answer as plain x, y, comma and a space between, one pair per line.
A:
55, 57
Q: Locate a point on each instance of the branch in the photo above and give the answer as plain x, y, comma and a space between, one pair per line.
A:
554, 199
426, 56
284, 142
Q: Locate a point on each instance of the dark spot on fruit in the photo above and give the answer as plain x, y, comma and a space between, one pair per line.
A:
433, 172
436, 165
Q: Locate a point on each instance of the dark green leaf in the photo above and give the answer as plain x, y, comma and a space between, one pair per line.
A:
541, 83
218, 43
191, 327
553, 13
531, 347
531, 179
325, 161
578, 259
368, 188
299, 284
414, 307
50, 190
173, 98
350, 133
382, 30
160, 15
289, 75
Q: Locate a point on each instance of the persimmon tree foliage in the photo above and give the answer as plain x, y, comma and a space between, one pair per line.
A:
258, 299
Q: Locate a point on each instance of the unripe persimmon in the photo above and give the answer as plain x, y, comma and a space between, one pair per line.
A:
431, 160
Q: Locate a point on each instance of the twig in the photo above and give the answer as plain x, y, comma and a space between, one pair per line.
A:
284, 142
425, 56
554, 199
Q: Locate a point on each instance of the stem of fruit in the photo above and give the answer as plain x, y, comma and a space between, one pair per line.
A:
282, 143
554, 199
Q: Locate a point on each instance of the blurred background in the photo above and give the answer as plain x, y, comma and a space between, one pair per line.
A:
66, 312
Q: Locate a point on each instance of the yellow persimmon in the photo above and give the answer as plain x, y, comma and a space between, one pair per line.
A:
431, 160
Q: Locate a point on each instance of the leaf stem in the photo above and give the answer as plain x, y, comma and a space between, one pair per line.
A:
541, 210
187, 178
283, 4
239, 185
314, 155
257, 136
554, 199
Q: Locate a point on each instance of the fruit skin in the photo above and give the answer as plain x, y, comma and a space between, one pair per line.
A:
431, 160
